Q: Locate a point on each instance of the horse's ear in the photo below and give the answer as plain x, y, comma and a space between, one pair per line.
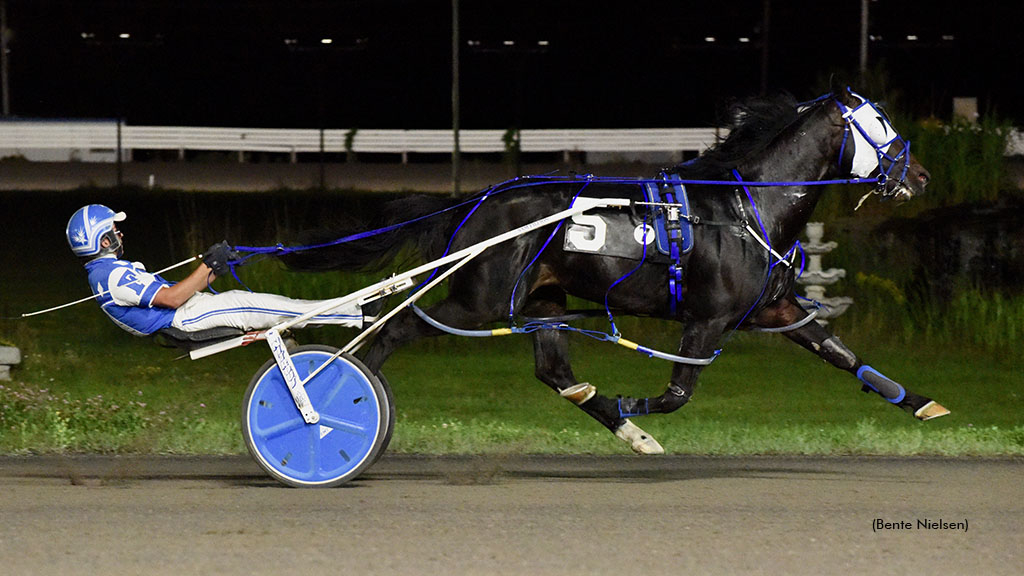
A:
839, 87
846, 95
735, 113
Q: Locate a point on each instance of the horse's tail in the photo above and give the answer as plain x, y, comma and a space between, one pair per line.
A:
359, 245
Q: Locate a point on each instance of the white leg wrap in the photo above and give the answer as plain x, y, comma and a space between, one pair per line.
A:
579, 393
641, 442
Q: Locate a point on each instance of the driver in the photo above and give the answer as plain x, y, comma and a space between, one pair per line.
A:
143, 303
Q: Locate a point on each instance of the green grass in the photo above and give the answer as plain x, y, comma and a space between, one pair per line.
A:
114, 393
760, 397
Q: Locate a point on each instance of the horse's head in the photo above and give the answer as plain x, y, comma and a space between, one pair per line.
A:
871, 148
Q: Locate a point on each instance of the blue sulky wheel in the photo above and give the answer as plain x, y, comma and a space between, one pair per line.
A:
355, 411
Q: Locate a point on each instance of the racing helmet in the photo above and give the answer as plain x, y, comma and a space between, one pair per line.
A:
89, 226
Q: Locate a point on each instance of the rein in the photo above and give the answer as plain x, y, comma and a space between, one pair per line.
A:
525, 182
528, 182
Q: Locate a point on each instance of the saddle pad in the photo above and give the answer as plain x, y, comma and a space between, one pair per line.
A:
610, 233
613, 233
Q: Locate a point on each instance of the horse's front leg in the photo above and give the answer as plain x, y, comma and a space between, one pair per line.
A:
831, 349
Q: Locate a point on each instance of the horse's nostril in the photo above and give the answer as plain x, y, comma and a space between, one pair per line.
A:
925, 178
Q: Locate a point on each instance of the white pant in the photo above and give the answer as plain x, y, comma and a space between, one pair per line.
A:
255, 311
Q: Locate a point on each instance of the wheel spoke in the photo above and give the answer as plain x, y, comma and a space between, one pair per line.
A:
316, 464
279, 429
339, 424
331, 394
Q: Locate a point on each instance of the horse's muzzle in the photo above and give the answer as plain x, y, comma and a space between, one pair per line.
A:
902, 194
912, 184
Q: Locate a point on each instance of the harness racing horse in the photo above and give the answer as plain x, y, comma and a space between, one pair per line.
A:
732, 277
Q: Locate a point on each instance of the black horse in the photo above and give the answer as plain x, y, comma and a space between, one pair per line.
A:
731, 278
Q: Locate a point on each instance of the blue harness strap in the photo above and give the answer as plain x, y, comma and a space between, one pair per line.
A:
675, 193
673, 231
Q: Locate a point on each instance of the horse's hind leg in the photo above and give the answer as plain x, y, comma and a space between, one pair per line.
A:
552, 367
698, 340
829, 348
551, 352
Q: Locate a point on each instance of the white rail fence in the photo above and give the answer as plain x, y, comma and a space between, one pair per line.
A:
98, 141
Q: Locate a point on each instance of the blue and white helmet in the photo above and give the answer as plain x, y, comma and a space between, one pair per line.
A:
87, 228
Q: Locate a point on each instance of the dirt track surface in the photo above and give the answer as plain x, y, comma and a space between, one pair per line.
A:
514, 515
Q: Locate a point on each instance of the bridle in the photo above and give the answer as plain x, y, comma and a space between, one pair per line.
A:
872, 137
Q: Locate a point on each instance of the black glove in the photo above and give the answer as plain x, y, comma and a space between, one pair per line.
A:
218, 256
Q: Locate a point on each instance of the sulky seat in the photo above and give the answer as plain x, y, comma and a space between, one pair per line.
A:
188, 341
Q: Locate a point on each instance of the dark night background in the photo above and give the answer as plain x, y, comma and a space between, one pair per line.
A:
641, 63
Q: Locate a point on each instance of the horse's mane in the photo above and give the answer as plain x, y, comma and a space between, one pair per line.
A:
753, 124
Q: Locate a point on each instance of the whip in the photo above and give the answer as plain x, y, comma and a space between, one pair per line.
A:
94, 296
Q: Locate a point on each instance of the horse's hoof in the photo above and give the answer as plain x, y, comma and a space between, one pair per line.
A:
931, 410
641, 442
579, 393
